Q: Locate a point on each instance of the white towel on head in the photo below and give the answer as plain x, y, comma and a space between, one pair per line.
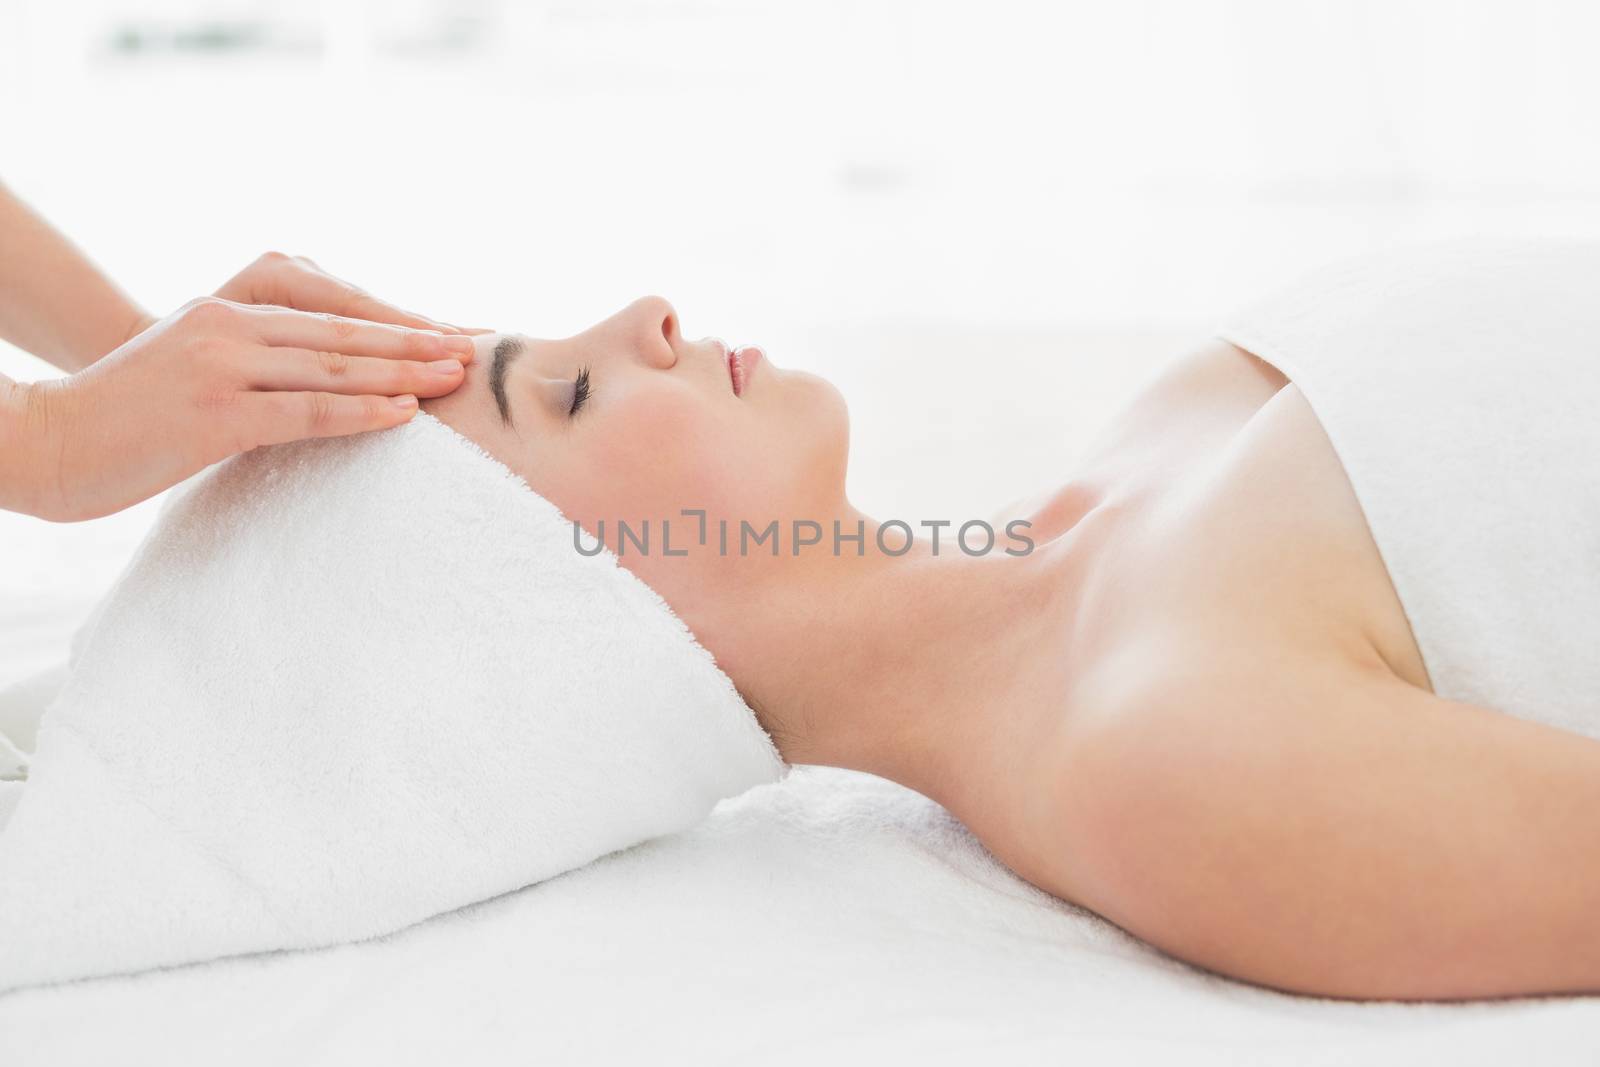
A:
345, 685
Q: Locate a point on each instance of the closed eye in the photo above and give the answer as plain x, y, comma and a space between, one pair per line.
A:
580, 392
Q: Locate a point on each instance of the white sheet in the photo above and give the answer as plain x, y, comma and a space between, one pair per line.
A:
830, 917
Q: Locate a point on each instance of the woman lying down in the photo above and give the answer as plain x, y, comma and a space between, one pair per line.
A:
1293, 678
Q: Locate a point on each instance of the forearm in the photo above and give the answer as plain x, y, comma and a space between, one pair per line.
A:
54, 302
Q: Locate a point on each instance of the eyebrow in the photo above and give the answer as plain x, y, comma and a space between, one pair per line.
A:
507, 350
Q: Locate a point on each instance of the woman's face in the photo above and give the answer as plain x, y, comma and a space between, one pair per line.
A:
654, 426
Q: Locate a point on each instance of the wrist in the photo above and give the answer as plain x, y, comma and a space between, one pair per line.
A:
142, 321
112, 331
33, 435
133, 321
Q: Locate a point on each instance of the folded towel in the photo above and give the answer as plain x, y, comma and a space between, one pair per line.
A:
345, 685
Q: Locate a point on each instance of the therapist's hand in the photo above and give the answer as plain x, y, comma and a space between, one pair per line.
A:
216, 378
296, 282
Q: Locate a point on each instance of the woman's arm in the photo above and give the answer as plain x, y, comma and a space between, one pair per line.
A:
1337, 831
53, 301
219, 376
26, 477
213, 379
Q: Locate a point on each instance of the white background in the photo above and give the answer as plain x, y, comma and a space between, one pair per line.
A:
985, 221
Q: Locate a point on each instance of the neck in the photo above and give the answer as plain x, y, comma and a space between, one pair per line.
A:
927, 669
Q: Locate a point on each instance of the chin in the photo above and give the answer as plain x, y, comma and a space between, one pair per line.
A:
826, 429
821, 400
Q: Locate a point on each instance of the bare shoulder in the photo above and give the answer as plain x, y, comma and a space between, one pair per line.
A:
1200, 395
1213, 361
1322, 826
1211, 378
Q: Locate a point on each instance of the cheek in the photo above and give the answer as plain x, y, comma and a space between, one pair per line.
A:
654, 452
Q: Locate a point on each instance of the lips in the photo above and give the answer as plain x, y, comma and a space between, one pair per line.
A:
741, 364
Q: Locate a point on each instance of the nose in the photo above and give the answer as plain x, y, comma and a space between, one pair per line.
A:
653, 323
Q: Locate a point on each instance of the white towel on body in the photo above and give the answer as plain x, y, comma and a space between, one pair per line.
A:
1459, 384
343, 686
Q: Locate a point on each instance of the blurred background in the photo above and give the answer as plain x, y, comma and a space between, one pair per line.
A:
893, 193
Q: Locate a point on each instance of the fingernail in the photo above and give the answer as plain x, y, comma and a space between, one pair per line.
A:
403, 402
446, 367
462, 345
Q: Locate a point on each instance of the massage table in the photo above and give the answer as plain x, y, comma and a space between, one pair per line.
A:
831, 917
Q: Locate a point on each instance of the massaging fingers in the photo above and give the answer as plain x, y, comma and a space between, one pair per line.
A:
321, 332
334, 372
276, 418
301, 284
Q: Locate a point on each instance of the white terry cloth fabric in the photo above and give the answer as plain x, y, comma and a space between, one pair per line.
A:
345, 685
22, 703
831, 918
1460, 386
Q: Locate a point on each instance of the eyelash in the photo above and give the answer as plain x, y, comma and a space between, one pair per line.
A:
580, 392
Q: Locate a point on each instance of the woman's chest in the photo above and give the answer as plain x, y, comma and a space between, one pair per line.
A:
1248, 536
1237, 550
